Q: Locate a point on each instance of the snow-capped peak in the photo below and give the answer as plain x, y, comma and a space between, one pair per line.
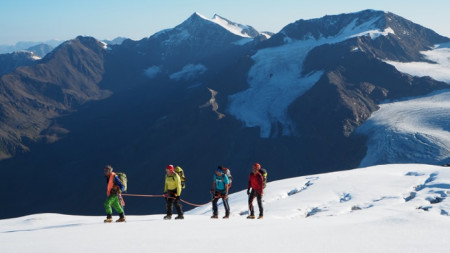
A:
238, 29
335, 25
244, 31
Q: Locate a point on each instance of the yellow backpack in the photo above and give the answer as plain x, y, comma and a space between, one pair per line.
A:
180, 173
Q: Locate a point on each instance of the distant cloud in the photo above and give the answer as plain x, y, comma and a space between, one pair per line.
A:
439, 70
152, 71
189, 72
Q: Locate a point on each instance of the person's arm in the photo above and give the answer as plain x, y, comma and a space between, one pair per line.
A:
226, 181
213, 189
249, 184
165, 185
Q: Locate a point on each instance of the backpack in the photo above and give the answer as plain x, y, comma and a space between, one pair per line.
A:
180, 173
123, 179
227, 172
263, 172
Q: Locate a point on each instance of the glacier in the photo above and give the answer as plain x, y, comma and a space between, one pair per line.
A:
275, 79
413, 129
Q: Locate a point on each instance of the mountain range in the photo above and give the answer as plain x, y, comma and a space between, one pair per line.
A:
204, 93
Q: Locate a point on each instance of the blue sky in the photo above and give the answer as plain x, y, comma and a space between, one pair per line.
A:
41, 20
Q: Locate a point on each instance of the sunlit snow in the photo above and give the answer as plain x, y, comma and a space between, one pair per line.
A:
393, 208
234, 28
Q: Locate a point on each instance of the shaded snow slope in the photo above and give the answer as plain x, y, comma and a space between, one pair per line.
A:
275, 79
392, 208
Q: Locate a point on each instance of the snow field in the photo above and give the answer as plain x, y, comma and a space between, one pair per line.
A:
389, 208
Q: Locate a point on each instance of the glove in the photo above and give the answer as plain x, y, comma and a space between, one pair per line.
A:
248, 191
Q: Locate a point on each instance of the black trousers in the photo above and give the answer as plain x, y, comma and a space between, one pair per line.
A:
251, 197
170, 200
218, 196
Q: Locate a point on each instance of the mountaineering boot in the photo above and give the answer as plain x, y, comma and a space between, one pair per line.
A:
251, 216
214, 216
168, 217
108, 219
260, 216
179, 217
227, 215
121, 219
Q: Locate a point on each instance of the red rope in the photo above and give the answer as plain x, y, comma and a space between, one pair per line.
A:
163, 196
184, 201
142, 195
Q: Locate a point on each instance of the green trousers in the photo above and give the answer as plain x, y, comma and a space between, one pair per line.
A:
113, 200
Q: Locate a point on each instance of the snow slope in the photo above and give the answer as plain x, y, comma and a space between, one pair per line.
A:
416, 129
391, 208
275, 79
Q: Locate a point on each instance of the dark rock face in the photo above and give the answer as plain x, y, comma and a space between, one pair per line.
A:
9, 62
32, 96
163, 100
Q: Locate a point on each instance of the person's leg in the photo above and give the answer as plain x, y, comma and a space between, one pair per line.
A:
250, 203
179, 208
116, 204
260, 205
108, 209
107, 205
169, 205
214, 206
227, 207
